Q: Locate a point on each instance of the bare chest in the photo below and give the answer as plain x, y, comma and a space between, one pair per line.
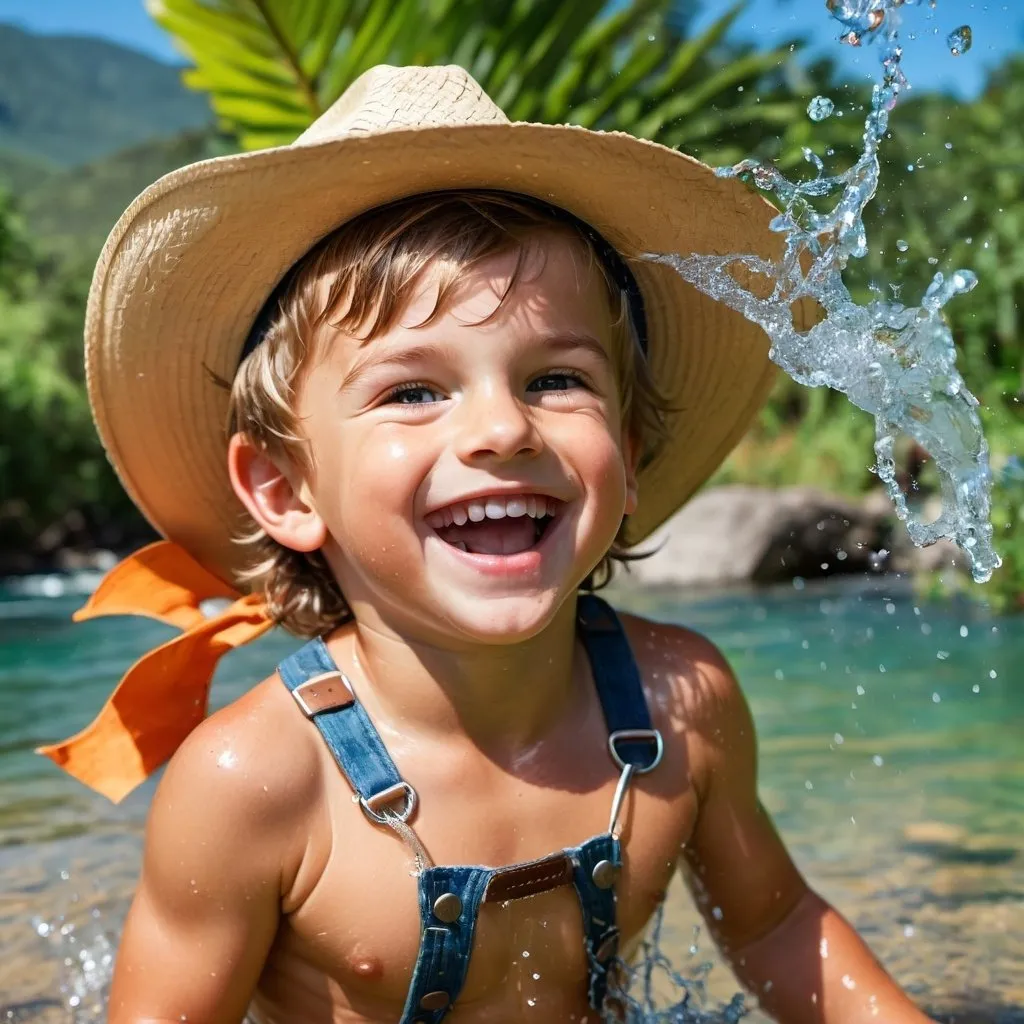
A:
351, 938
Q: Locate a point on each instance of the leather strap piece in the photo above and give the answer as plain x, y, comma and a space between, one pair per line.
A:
323, 693
616, 677
523, 880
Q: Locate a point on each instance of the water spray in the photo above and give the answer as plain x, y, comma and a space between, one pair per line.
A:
896, 362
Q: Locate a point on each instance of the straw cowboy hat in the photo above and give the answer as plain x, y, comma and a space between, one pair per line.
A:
191, 262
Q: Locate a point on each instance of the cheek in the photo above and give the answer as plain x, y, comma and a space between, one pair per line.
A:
368, 480
601, 463
610, 479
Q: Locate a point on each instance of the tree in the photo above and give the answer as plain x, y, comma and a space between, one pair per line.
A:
271, 67
51, 461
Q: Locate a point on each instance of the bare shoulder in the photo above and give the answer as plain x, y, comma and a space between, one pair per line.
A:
242, 781
257, 752
691, 689
681, 665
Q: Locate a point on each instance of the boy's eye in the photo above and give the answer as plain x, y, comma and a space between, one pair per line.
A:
414, 394
555, 382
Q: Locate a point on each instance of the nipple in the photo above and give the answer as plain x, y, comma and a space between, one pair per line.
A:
368, 967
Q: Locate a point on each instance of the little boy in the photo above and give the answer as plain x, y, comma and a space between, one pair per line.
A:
451, 402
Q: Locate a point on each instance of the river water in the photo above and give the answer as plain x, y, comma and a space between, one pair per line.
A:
891, 739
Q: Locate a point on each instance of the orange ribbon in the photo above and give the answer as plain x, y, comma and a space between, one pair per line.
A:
164, 695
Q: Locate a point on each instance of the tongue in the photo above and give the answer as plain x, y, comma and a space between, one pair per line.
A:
493, 536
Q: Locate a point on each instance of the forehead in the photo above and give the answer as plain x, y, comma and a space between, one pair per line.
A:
551, 279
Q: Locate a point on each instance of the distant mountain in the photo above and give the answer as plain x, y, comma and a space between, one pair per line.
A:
71, 212
66, 100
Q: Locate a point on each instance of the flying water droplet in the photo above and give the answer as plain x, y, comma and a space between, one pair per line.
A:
819, 108
902, 244
960, 40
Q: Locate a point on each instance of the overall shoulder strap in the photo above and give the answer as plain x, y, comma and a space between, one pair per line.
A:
325, 696
631, 738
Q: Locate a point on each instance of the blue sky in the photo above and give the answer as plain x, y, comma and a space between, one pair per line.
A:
998, 29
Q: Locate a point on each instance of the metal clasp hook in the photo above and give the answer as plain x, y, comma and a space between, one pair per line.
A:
617, 800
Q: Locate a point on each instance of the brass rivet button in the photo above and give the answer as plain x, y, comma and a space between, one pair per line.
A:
447, 908
435, 1001
604, 874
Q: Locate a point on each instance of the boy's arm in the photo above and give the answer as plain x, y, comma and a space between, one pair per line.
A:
207, 906
794, 952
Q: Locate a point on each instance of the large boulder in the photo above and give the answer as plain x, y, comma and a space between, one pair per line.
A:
738, 533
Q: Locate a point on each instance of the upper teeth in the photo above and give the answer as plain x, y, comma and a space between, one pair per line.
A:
534, 505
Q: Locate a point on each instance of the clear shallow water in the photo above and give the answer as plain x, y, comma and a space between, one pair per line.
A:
906, 811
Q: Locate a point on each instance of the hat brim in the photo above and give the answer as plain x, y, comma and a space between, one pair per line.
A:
192, 260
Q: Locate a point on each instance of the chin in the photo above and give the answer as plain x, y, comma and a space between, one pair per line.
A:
507, 619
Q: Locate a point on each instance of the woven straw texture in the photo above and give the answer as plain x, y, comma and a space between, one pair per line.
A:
193, 259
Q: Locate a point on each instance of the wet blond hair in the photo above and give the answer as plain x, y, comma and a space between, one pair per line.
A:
368, 270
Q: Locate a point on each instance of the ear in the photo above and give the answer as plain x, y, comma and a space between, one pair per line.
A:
274, 496
631, 457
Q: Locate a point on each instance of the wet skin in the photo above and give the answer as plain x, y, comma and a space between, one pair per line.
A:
265, 886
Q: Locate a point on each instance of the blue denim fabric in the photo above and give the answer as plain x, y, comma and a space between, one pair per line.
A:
445, 947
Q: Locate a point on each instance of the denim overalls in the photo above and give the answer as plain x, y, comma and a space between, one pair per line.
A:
451, 896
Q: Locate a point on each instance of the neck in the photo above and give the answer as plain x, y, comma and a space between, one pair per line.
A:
502, 697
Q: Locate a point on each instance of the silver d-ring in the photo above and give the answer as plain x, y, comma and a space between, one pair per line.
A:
371, 805
633, 736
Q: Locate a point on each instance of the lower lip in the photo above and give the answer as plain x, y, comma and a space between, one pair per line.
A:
523, 564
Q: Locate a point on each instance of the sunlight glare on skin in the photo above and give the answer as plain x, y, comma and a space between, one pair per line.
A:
227, 758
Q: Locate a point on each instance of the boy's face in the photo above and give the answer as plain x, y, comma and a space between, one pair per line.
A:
470, 473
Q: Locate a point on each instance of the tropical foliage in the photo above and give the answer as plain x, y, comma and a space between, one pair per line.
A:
51, 464
271, 66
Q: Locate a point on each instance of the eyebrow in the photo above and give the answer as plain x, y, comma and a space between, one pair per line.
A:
562, 341
568, 340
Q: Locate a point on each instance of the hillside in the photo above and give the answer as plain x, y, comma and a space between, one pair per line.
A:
67, 100
71, 212
19, 172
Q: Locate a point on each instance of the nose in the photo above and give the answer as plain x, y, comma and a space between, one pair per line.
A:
496, 424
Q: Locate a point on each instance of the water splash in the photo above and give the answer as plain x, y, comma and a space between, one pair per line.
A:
896, 362
960, 40
820, 108
651, 991
84, 951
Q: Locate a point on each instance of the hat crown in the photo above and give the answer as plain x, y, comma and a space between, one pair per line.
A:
387, 98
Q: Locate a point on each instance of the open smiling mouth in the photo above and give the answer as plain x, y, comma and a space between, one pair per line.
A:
496, 525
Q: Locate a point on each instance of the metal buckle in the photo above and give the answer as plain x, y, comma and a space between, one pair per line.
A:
632, 735
312, 683
386, 796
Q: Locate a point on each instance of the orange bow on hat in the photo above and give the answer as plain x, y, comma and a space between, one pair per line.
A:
164, 695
